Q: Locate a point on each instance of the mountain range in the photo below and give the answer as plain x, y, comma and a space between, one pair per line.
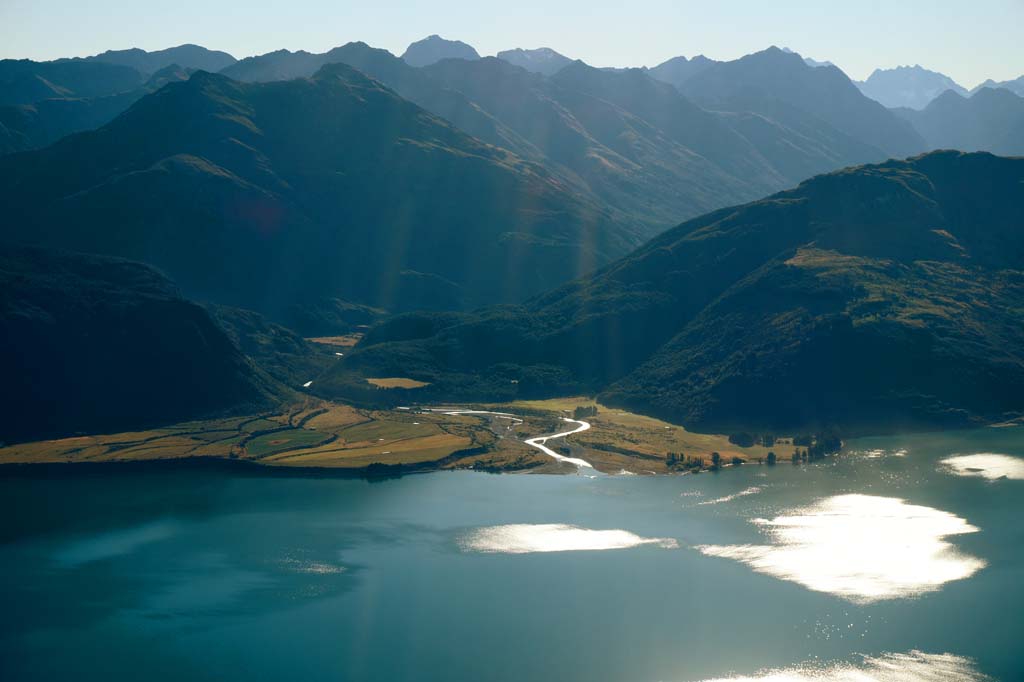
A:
433, 49
873, 298
542, 60
31, 126
194, 57
913, 87
1015, 86
259, 195
992, 119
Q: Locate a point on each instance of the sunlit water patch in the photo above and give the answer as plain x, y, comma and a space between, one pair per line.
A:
914, 666
752, 490
986, 465
877, 453
860, 547
524, 538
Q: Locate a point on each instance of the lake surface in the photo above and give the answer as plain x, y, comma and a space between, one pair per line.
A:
895, 561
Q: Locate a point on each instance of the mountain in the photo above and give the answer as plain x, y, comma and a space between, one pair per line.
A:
1015, 86
807, 60
31, 126
989, 120
542, 60
95, 344
23, 81
907, 86
623, 137
784, 88
433, 49
678, 70
874, 297
276, 66
186, 56
267, 195
619, 138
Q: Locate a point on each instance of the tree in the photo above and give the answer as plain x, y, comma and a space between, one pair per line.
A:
771, 459
584, 411
744, 440
716, 460
737, 461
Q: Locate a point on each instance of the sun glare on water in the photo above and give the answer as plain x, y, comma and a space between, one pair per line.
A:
860, 547
986, 465
525, 538
914, 666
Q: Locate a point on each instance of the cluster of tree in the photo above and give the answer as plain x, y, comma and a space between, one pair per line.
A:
678, 460
584, 411
819, 446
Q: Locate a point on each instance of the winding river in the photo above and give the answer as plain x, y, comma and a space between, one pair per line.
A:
537, 442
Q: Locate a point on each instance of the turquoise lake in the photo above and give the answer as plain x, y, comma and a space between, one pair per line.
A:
895, 560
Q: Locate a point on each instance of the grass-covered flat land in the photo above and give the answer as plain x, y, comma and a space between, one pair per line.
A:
319, 434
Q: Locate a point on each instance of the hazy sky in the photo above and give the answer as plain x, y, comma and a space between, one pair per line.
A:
970, 41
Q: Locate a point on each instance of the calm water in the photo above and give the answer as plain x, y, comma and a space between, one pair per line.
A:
892, 565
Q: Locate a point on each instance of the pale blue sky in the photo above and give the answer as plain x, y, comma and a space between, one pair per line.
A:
970, 41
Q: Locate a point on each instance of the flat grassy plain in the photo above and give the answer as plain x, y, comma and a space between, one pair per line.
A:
397, 382
344, 341
313, 434
319, 434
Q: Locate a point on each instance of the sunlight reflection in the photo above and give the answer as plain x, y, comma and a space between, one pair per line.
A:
861, 548
986, 465
553, 537
914, 666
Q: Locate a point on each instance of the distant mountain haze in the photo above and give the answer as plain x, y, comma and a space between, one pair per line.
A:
542, 60
913, 87
433, 49
648, 155
185, 56
769, 81
992, 120
678, 70
1015, 86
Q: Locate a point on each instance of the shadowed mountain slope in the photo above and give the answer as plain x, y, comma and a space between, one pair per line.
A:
30, 126
23, 81
875, 297
268, 195
94, 344
773, 82
992, 119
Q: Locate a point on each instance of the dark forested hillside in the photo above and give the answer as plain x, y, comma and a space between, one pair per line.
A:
92, 344
874, 297
268, 195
